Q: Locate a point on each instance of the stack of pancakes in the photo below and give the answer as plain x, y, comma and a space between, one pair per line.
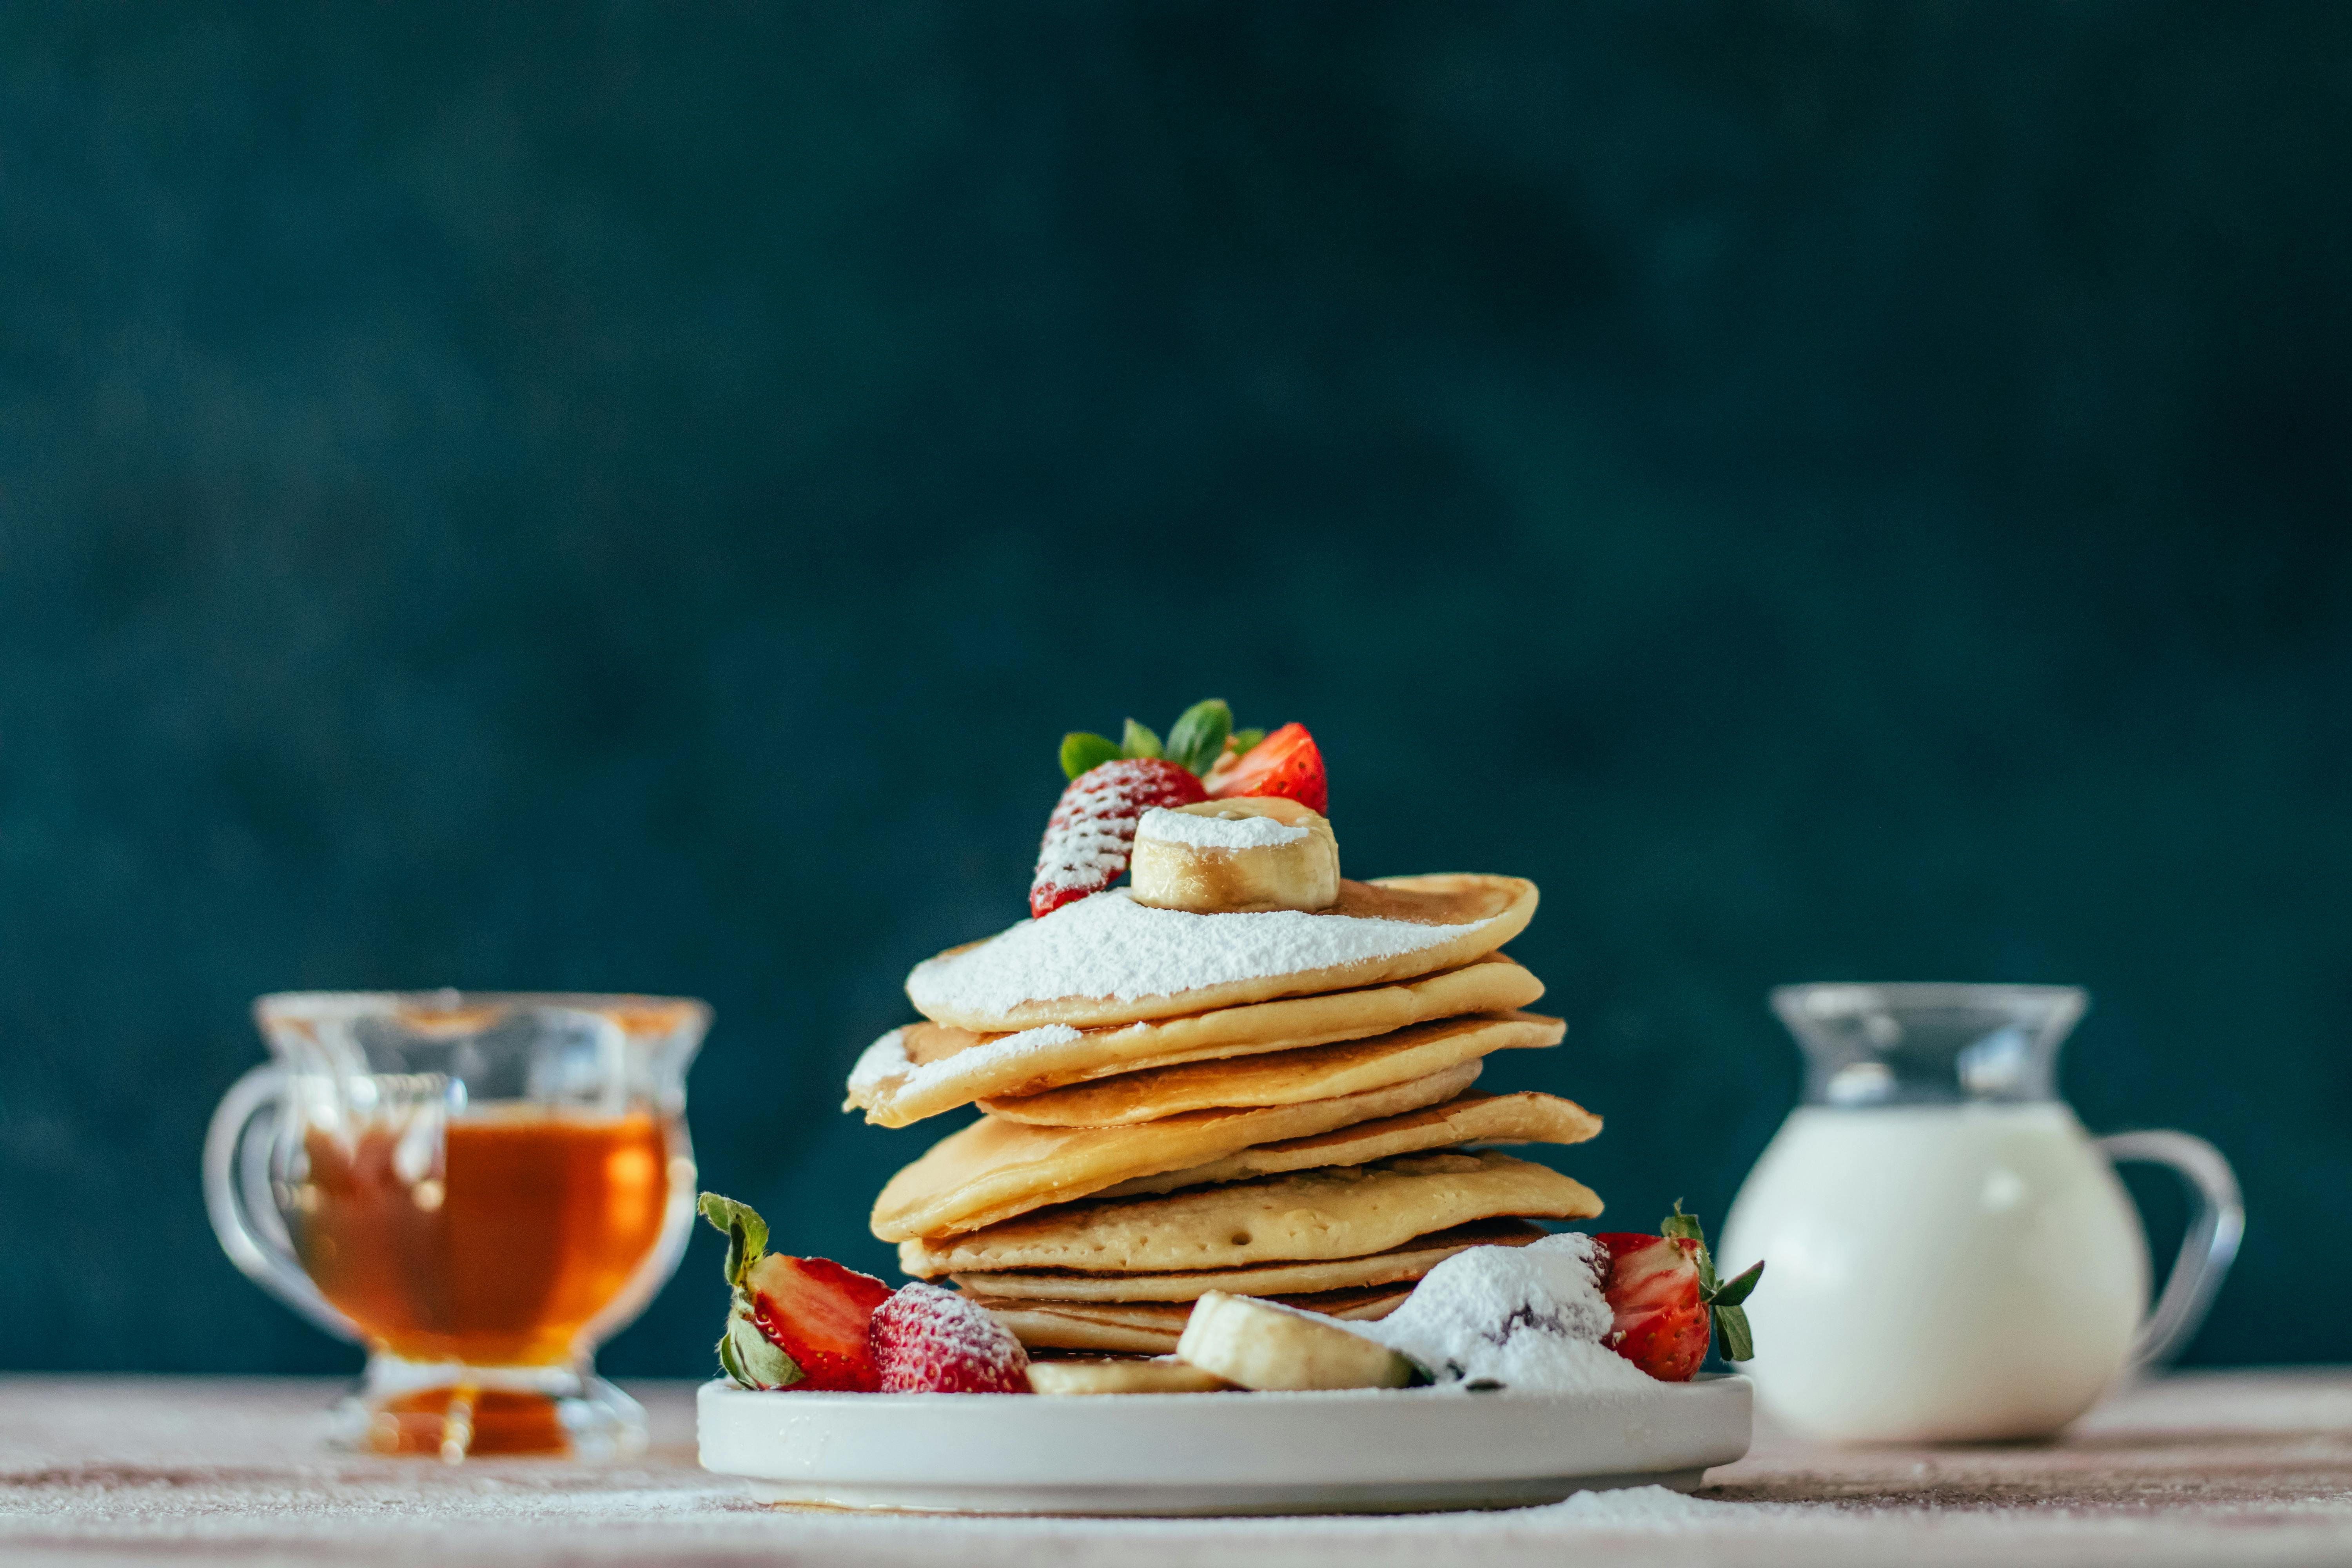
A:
1272, 1104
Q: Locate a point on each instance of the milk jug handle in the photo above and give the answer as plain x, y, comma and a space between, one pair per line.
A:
2206, 1252
238, 1197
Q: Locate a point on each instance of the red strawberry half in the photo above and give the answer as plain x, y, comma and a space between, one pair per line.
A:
1285, 763
791, 1322
1092, 831
1666, 1301
815, 1311
931, 1341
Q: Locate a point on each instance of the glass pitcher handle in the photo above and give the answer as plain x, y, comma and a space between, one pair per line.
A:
2206, 1252
236, 1195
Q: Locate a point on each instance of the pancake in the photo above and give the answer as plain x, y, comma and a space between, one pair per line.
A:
1524, 1118
926, 1068
1280, 1077
1156, 1325
992, 1171
1308, 1215
1409, 1262
1055, 1328
1109, 960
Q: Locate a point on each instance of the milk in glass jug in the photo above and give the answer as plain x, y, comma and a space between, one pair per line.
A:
1950, 1255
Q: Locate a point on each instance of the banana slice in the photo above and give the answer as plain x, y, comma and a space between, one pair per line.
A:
1261, 1344
1258, 852
1160, 1375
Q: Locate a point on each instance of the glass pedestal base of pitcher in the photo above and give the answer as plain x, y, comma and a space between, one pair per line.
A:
452, 1412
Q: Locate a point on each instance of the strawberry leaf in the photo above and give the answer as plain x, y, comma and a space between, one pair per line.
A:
727, 1363
1245, 740
1732, 1292
1681, 1227
1733, 1340
746, 1233
1200, 734
1083, 751
1138, 740
749, 1357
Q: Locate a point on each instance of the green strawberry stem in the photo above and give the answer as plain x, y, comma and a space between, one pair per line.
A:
744, 1353
1083, 751
1200, 736
1733, 1338
746, 1233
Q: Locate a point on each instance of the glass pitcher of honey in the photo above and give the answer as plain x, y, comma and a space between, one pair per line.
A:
481, 1188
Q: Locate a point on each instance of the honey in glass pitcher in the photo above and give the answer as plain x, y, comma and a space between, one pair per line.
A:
531, 1224
479, 1187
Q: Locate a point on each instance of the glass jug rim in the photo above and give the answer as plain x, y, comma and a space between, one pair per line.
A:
662, 1019
1928, 993
1870, 1044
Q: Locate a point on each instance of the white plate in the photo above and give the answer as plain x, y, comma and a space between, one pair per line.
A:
1363, 1450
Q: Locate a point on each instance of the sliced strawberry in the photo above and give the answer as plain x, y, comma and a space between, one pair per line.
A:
815, 1311
1666, 1301
1285, 763
791, 1322
1092, 831
931, 1341
1653, 1288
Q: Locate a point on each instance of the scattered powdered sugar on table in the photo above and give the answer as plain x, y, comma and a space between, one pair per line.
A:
1216, 832
1650, 1508
886, 1059
1110, 946
1525, 1316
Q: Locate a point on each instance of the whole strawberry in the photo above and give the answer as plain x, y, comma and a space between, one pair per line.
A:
1092, 831
930, 1340
1666, 1301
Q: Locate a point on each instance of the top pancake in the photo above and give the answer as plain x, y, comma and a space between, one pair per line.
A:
1109, 960
924, 1069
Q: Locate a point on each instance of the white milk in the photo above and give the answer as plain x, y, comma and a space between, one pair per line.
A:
1936, 1273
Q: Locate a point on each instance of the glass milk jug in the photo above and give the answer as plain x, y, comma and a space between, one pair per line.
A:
1950, 1257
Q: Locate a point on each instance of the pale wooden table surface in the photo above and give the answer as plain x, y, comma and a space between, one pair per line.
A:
2244, 1468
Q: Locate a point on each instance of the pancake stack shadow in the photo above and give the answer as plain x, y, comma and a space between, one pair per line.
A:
1310, 1133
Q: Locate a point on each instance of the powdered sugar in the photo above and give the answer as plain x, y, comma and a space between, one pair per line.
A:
878, 1064
1109, 946
1089, 837
1087, 852
1525, 1317
1216, 832
885, 1065
1655, 1508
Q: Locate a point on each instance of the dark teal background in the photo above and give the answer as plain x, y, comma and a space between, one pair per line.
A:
630, 497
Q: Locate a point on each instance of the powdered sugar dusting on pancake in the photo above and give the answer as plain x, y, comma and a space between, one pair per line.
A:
887, 1060
1110, 946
